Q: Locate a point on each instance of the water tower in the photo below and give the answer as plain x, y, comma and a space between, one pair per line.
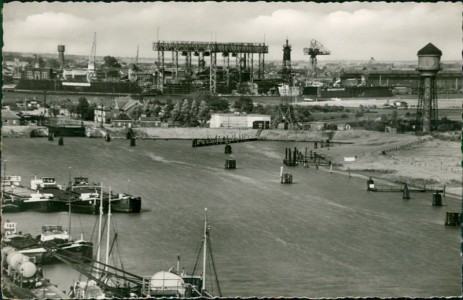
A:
428, 66
61, 56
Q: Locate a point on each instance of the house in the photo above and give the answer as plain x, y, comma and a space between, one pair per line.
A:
9, 118
122, 121
104, 114
314, 126
126, 104
149, 121
237, 120
344, 127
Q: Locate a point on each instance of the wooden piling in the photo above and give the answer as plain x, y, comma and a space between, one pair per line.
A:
436, 199
287, 178
406, 192
61, 141
453, 219
230, 164
132, 142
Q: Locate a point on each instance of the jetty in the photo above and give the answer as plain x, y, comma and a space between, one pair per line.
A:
220, 141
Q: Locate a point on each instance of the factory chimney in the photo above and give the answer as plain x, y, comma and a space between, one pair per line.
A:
61, 56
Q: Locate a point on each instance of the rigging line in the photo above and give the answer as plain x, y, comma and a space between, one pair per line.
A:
94, 230
215, 270
81, 226
197, 258
211, 283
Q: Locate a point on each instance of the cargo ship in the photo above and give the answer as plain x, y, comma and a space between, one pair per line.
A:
347, 91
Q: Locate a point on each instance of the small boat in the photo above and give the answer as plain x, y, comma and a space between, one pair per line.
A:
52, 239
89, 197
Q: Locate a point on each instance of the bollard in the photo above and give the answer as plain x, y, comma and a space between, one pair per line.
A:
61, 141
230, 164
436, 199
453, 219
287, 178
132, 142
406, 192
228, 149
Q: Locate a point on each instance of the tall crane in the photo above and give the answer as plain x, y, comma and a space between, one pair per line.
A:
315, 49
91, 72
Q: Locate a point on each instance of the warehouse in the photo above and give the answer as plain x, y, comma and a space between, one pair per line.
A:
237, 120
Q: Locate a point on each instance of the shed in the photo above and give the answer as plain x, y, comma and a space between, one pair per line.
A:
9, 118
122, 121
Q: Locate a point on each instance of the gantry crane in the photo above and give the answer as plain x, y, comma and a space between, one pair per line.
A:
91, 70
315, 49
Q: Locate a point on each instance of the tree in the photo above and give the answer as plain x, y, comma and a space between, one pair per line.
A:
244, 104
194, 113
82, 108
175, 113
185, 112
53, 63
110, 63
219, 105
203, 112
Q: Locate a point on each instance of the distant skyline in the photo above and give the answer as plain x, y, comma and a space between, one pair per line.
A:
351, 30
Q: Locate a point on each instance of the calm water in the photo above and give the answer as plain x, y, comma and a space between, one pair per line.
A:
322, 236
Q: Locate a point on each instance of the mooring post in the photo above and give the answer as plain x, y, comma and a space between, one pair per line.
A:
61, 141
406, 192
436, 199
132, 142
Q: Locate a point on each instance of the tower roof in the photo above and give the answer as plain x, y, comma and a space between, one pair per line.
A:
429, 49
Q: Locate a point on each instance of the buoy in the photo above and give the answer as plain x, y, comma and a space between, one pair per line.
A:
61, 141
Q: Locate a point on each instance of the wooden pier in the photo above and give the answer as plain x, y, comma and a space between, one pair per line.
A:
295, 157
220, 141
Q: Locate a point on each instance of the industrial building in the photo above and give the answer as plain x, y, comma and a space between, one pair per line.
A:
255, 121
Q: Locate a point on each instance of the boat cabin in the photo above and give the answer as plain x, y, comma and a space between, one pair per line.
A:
80, 181
11, 180
44, 182
52, 232
9, 228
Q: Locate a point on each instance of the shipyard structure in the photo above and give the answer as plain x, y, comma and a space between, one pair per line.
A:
183, 67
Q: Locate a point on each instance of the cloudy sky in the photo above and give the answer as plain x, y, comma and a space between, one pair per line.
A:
352, 30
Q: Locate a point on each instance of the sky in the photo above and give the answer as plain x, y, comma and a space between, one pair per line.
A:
350, 30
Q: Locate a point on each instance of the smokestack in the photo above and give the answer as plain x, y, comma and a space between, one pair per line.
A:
61, 56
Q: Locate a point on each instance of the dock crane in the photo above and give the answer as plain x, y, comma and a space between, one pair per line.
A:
91, 71
315, 49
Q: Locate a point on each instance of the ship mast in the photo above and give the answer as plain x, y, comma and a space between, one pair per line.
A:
204, 250
109, 222
99, 223
69, 204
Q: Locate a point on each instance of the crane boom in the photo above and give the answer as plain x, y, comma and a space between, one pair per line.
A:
315, 49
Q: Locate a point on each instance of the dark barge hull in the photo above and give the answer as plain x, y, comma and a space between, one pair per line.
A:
66, 131
129, 205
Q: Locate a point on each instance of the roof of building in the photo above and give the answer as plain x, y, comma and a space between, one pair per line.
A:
8, 114
241, 115
430, 49
123, 117
149, 119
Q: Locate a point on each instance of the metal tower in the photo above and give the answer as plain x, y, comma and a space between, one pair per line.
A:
286, 72
428, 66
313, 51
91, 72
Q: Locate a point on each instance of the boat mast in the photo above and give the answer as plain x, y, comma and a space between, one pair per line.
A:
109, 223
99, 223
69, 204
204, 250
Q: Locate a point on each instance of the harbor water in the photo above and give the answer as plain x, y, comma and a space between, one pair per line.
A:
323, 235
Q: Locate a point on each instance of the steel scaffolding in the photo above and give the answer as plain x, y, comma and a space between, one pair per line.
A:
242, 51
